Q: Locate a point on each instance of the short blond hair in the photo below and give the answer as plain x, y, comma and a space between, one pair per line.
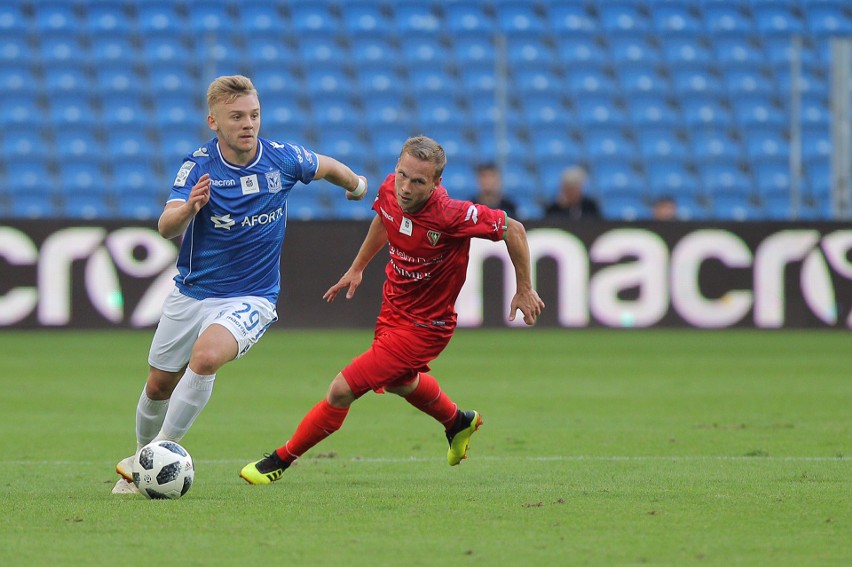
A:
227, 88
426, 149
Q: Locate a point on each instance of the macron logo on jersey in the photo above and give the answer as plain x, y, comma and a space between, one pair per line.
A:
224, 222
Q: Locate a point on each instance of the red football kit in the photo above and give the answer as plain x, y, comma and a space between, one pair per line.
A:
429, 253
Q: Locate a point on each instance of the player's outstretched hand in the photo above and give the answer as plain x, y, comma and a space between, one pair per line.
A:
200, 193
350, 280
530, 305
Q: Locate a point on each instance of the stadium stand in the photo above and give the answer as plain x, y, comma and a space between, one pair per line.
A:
101, 98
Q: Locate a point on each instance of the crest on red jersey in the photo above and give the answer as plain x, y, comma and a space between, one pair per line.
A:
433, 236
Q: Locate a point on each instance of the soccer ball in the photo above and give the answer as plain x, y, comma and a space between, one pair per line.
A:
163, 469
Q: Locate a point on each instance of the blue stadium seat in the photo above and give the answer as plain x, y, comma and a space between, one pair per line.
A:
164, 49
816, 143
489, 146
139, 206
776, 19
77, 143
107, 17
715, 145
129, 109
735, 207
630, 50
21, 108
624, 208
376, 49
651, 110
303, 203
438, 108
273, 82
724, 178
815, 111
528, 79
468, 17
758, 111
518, 18
30, 175
210, 17
343, 141
18, 78
13, 21
525, 48
589, 81
60, 48
431, 80
86, 206
364, 18
473, 49
33, 206
569, 18
22, 141
314, 17
580, 49
613, 177
660, 143
267, 50
828, 18
671, 177
415, 17
696, 80
746, 80
604, 110
115, 78
609, 142
330, 111
738, 51
640, 78
319, 49
545, 108
14, 49
772, 177
178, 108
458, 147
55, 17
689, 51
329, 78
160, 17
65, 79
726, 18
622, 17
114, 48
556, 143
128, 142
82, 175
676, 19
176, 143
478, 80
767, 144
261, 16
705, 112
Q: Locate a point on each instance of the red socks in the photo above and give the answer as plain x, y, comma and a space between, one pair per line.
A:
429, 399
323, 420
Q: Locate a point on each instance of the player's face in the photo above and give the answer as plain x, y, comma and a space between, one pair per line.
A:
415, 182
237, 123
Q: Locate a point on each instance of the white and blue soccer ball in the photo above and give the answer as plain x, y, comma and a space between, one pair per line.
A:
163, 470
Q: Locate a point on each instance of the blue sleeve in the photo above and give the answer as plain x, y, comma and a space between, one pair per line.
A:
306, 163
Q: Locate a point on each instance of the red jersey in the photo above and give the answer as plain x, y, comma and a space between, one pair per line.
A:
429, 252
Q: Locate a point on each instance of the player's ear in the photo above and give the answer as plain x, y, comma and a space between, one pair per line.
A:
211, 122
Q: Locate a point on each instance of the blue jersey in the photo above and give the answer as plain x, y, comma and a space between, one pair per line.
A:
233, 245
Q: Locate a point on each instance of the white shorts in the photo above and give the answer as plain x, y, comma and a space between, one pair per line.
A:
184, 319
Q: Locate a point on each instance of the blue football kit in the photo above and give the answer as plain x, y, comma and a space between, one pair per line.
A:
233, 245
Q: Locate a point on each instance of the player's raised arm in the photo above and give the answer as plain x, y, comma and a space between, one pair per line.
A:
177, 215
341, 175
526, 298
376, 238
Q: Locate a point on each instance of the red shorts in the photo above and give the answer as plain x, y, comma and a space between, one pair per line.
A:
400, 351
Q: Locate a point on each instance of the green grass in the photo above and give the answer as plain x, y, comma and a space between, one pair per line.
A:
599, 448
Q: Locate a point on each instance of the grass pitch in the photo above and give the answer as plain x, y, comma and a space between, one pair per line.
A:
598, 448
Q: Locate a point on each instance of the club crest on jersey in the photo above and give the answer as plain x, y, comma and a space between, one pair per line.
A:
406, 226
433, 236
273, 181
249, 184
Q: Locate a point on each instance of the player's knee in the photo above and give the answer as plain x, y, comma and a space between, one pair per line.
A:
206, 359
339, 393
161, 384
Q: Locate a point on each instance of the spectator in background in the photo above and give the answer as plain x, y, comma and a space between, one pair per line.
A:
490, 189
570, 203
664, 208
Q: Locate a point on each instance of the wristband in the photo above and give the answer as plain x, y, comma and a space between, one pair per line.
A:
361, 189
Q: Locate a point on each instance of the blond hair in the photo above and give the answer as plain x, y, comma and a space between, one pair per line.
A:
227, 88
426, 149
